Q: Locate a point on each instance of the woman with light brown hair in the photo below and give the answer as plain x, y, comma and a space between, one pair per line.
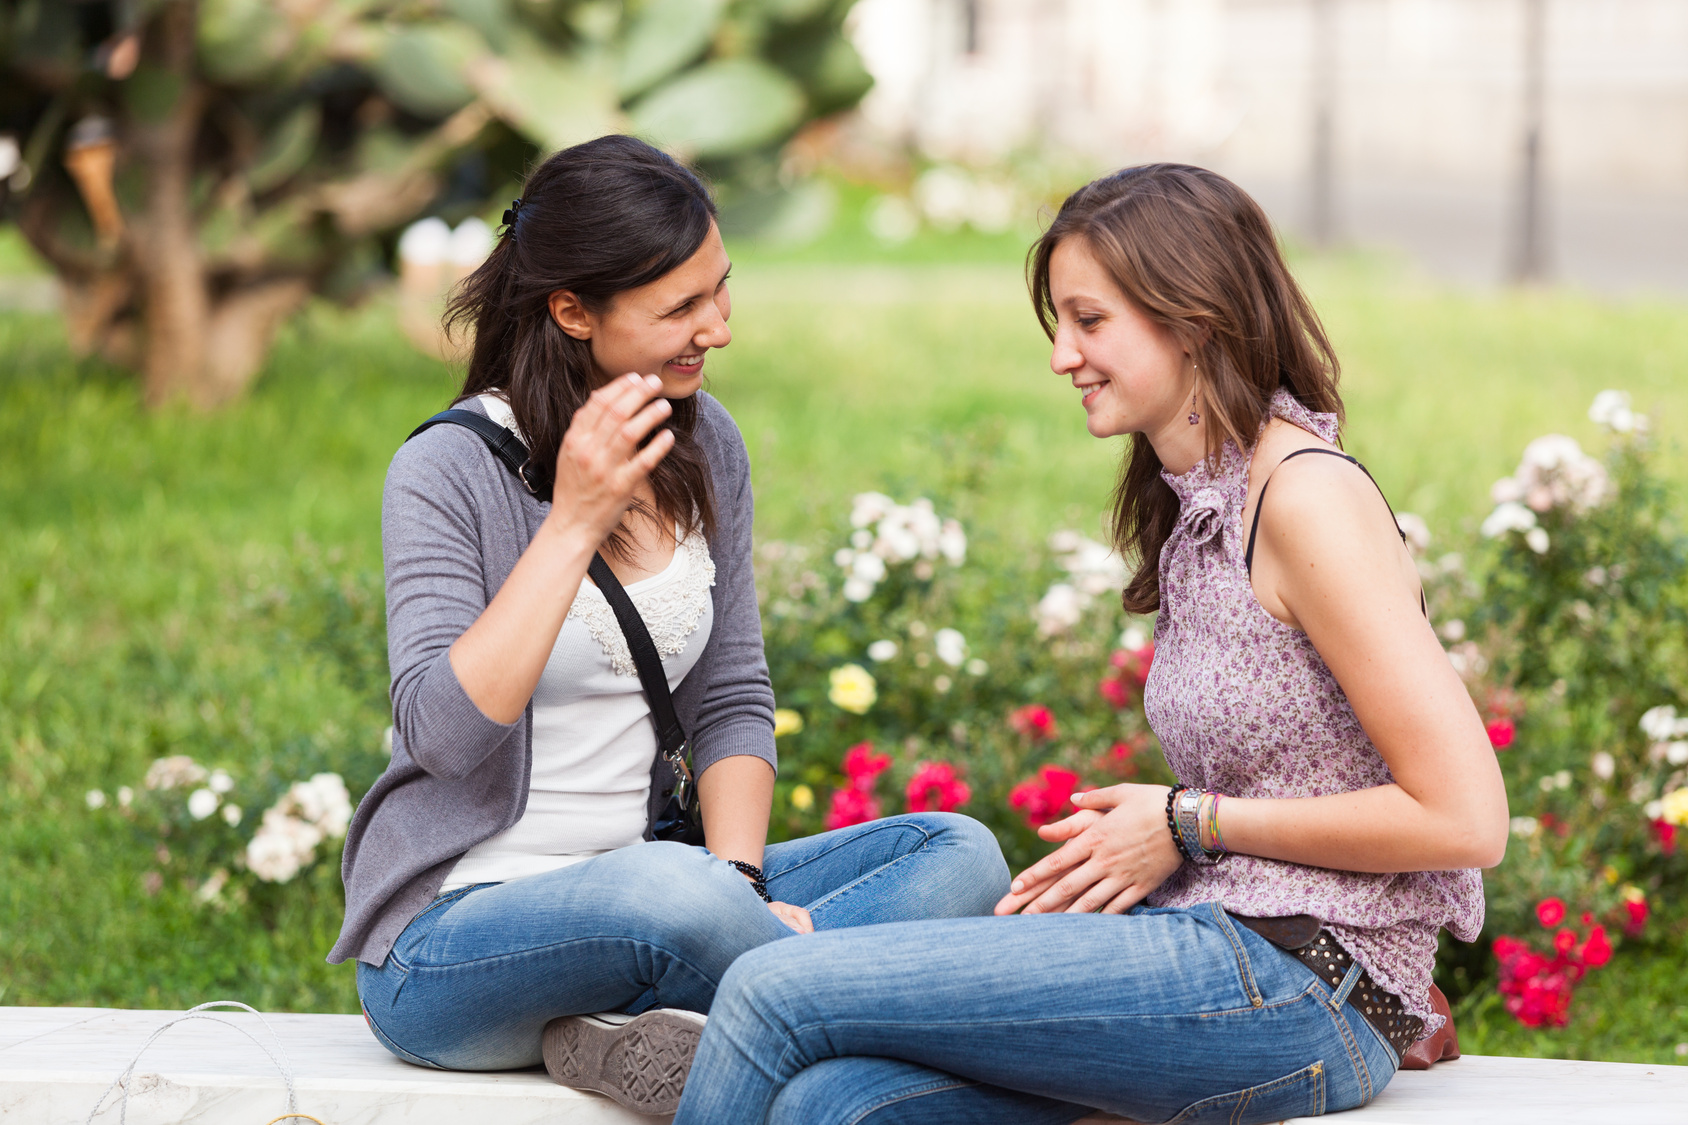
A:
1257, 942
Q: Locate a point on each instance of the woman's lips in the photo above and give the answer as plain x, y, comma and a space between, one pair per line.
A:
692, 367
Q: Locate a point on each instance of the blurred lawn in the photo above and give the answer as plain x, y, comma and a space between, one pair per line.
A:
179, 584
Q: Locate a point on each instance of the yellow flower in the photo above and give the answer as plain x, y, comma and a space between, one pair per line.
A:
853, 689
802, 798
1673, 809
1633, 893
786, 721
1611, 874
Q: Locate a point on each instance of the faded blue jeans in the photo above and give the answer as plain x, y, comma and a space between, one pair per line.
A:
1161, 1015
474, 978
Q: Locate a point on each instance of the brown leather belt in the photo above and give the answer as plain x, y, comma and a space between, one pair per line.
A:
1303, 937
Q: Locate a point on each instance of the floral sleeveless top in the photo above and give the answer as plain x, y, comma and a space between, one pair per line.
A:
1244, 705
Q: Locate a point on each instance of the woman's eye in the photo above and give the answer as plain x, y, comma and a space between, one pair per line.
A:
1088, 321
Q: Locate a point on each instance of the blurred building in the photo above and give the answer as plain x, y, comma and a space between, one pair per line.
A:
1401, 122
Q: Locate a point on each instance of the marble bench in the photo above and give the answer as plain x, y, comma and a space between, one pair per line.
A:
56, 1062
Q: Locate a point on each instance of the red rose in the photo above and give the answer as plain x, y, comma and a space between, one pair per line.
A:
934, 787
1637, 909
1665, 833
862, 765
1035, 721
1501, 733
1046, 797
1596, 951
851, 806
1550, 912
1113, 689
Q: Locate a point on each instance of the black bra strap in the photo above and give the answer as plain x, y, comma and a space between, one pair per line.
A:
1254, 525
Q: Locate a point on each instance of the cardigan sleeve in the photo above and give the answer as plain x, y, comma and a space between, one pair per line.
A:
436, 589
735, 702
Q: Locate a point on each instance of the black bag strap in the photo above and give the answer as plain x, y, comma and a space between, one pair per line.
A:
670, 735
501, 440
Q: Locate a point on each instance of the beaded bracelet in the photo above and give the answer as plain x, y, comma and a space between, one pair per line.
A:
758, 881
1172, 819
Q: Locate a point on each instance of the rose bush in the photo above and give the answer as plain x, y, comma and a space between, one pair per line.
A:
899, 643
1574, 642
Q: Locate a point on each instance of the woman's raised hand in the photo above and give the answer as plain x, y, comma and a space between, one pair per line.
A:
1117, 849
600, 465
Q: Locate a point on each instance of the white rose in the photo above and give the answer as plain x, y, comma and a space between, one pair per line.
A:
951, 647
857, 590
1061, 608
95, 798
1536, 539
881, 651
1509, 515
202, 803
1603, 765
220, 782
1659, 723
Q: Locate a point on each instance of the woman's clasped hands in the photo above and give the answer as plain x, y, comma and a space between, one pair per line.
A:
1117, 849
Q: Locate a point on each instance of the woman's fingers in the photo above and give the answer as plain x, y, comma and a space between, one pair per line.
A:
1069, 888
1015, 900
1126, 899
1067, 856
1068, 827
1105, 798
794, 916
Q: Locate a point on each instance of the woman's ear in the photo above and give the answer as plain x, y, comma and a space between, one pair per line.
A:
571, 316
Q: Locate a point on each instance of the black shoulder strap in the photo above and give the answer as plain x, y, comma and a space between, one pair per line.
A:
670, 735
501, 440
1254, 525
508, 448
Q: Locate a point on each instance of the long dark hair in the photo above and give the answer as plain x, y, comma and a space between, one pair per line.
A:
1196, 254
597, 219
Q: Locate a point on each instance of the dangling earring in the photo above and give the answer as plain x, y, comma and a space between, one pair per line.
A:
1194, 417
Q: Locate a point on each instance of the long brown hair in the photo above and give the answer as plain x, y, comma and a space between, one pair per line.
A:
597, 219
1196, 254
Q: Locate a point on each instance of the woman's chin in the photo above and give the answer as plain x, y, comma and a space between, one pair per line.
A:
681, 383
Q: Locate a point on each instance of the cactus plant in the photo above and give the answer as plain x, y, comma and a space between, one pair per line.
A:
194, 170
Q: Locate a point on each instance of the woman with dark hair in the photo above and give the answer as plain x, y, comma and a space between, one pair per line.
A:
505, 901
1255, 943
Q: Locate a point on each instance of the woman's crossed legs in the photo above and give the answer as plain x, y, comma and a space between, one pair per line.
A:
475, 977
1156, 1015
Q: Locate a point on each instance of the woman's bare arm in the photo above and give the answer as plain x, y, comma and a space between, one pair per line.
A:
1327, 561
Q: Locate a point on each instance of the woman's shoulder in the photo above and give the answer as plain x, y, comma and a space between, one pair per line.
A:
720, 437
444, 456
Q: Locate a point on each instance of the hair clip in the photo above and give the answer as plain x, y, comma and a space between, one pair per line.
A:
511, 213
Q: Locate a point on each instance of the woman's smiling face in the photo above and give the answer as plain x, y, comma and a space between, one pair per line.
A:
1134, 374
662, 328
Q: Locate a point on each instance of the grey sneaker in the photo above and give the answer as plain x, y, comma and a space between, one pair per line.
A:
640, 1061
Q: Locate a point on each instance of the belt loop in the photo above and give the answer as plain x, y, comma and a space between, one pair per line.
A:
1340, 996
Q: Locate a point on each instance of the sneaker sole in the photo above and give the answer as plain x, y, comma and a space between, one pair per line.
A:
642, 1063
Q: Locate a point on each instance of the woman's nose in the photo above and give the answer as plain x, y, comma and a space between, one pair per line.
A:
714, 333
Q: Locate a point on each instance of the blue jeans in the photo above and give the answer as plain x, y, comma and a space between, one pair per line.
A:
1161, 1015
474, 978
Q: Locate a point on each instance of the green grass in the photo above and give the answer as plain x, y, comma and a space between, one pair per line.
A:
172, 583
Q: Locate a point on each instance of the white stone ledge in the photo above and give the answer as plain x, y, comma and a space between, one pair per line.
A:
55, 1063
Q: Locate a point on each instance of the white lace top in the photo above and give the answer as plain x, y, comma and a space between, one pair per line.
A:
593, 741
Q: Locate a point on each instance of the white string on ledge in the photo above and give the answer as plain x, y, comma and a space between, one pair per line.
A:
197, 1013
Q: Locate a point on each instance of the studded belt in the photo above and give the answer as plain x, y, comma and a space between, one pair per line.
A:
1302, 937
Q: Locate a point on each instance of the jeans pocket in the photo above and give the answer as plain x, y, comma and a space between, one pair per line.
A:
1301, 1094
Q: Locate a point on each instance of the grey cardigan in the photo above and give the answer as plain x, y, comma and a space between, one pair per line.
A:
453, 523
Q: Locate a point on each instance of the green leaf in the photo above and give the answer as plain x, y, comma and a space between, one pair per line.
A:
667, 35
422, 67
492, 18
721, 108
242, 41
551, 100
287, 149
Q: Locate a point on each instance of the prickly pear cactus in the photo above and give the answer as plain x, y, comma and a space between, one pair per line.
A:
195, 169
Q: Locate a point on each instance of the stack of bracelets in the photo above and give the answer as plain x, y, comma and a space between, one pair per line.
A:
1192, 816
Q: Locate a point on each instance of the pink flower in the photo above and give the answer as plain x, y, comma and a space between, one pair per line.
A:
851, 806
1115, 691
1665, 833
1550, 912
1046, 797
1637, 909
1134, 662
1501, 733
1035, 721
862, 765
1597, 950
935, 788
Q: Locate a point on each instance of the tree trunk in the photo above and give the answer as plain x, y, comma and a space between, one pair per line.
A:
176, 307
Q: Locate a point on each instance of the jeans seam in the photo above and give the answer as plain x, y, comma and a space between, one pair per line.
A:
1244, 966
926, 839
389, 1042
883, 869
935, 1086
1356, 1057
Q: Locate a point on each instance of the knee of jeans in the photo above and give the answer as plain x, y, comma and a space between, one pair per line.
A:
765, 986
985, 868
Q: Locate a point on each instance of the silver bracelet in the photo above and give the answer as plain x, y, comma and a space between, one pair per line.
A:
1185, 811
